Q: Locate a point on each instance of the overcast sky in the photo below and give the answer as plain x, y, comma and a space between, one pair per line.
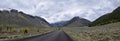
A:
61, 10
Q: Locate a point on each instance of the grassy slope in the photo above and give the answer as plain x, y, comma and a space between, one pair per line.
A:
110, 32
112, 17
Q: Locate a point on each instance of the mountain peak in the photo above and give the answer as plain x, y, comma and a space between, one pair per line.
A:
77, 18
77, 22
74, 22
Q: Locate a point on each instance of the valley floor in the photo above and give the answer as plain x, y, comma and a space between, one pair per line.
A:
110, 32
17, 33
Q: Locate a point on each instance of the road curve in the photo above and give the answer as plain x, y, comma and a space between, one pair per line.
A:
54, 36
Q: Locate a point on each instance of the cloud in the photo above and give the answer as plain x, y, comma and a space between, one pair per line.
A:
61, 10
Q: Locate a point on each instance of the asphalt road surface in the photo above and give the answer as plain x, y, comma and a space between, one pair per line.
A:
54, 36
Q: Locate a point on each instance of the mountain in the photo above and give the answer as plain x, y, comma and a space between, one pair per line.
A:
20, 19
74, 22
59, 24
77, 22
107, 18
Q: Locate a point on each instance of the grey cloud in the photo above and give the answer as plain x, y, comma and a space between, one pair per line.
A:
58, 10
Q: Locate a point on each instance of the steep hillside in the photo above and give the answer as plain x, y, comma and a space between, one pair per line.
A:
20, 19
107, 18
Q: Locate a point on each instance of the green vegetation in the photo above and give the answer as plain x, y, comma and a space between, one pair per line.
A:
108, 18
110, 32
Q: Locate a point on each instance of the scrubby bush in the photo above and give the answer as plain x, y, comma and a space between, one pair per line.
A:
25, 30
7, 28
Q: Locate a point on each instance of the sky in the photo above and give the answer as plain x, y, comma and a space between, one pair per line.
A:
62, 10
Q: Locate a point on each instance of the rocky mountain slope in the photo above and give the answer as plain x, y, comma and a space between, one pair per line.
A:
74, 22
20, 19
77, 22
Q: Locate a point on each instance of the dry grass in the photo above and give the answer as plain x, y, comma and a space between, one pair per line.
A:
15, 33
110, 32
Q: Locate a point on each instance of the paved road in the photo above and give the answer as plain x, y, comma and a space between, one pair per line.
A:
54, 36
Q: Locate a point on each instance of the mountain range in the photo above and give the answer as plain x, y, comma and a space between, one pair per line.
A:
108, 18
20, 19
74, 22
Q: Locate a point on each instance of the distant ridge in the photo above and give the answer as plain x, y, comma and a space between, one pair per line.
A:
59, 24
74, 22
20, 19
